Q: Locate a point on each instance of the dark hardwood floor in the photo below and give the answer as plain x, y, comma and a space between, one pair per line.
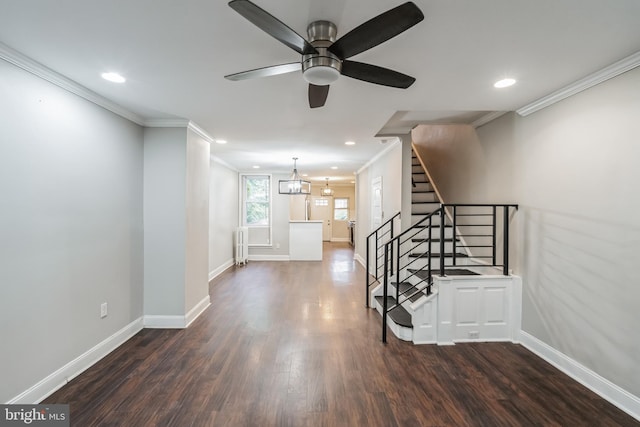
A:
291, 344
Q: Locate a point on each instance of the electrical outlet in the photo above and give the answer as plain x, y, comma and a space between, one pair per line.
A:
474, 335
278, 245
103, 310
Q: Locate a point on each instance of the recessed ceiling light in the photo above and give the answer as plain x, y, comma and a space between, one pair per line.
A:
350, 143
113, 77
305, 174
334, 167
504, 83
256, 167
221, 141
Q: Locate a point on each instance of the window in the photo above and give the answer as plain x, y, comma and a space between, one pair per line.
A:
256, 208
340, 209
322, 202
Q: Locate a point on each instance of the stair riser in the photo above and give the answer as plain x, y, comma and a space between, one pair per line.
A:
421, 186
404, 300
424, 197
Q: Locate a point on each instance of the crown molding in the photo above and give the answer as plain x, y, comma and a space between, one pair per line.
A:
22, 61
179, 123
200, 132
166, 123
489, 117
221, 162
380, 154
613, 70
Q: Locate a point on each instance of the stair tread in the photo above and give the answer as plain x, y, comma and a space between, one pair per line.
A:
407, 288
436, 255
423, 274
398, 314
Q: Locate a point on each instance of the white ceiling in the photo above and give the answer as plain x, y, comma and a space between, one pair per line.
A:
174, 55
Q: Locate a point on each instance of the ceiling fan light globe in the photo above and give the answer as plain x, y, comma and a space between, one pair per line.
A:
321, 75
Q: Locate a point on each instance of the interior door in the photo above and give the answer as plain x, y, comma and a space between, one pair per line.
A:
321, 210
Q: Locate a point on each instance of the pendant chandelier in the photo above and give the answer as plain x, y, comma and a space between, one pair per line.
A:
326, 191
294, 185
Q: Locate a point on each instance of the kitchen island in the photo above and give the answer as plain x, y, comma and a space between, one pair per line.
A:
305, 240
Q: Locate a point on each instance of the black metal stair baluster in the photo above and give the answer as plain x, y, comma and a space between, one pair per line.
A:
429, 279
384, 299
397, 272
391, 225
442, 235
453, 234
367, 277
493, 234
377, 256
505, 237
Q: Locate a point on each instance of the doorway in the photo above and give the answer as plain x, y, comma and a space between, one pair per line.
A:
321, 210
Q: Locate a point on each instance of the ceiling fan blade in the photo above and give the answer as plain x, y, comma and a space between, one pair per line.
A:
317, 95
265, 71
377, 30
374, 74
272, 26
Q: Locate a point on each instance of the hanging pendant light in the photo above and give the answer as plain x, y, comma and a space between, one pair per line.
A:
326, 191
294, 185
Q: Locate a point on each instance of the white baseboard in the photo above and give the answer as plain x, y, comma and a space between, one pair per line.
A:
361, 260
268, 257
153, 321
339, 239
218, 271
62, 376
197, 310
599, 385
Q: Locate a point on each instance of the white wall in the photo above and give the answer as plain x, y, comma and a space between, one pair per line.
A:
70, 227
197, 221
577, 184
165, 165
176, 225
572, 167
389, 166
280, 225
223, 216
339, 229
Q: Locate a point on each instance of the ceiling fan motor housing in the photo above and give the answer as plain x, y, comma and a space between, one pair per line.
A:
323, 68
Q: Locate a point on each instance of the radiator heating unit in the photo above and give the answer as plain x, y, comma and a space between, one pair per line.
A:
242, 245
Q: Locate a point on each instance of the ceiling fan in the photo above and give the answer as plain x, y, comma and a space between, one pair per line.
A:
324, 58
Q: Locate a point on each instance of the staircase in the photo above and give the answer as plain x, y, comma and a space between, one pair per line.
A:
435, 250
